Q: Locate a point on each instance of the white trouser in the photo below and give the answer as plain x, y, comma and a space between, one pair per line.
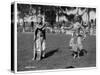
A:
76, 43
43, 45
79, 43
40, 45
71, 41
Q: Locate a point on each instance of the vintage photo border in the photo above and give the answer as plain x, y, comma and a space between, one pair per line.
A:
15, 36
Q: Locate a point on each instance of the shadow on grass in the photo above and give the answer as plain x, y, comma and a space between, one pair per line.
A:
83, 52
50, 53
69, 67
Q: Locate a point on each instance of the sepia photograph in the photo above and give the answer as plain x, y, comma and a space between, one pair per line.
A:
51, 37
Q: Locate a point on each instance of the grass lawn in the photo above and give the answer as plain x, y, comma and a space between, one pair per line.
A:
58, 55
